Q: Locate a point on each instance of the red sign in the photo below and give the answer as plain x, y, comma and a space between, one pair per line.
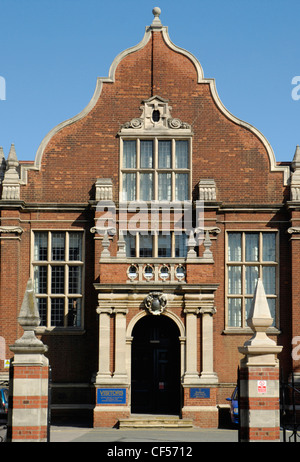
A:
262, 386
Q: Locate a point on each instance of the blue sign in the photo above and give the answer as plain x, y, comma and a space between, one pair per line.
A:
111, 396
200, 393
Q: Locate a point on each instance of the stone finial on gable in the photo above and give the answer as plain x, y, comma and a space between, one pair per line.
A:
11, 181
295, 179
156, 23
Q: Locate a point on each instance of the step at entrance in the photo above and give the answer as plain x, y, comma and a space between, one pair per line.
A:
154, 421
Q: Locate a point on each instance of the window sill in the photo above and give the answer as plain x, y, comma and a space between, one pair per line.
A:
60, 331
247, 331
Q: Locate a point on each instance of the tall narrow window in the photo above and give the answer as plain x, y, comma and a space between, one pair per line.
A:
250, 255
57, 275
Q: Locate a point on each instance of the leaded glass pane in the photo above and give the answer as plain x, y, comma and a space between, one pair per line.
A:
251, 277
42, 308
269, 247
129, 186
146, 186
145, 245
248, 304
40, 246
234, 247
146, 156
75, 246
57, 279
181, 154
272, 308
74, 279
269, 279
164, 245
234, 279
164, 186
129, 154
74, 312
251, 243
58, 246
181, 186
40, 279
234, 312
130, 242
181, 245
164, 154
57, 312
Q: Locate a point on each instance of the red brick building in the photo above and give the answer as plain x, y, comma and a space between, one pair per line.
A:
145, 222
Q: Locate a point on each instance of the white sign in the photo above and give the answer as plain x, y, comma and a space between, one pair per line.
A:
262, 386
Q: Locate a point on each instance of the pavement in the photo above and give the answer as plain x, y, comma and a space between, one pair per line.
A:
153, 436
148, 440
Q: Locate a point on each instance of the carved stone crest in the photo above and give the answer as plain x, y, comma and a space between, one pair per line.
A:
155, 302
156, 115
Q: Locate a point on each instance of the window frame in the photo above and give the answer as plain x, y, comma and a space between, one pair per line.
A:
67, 295
155, 246
155, 170
260, 263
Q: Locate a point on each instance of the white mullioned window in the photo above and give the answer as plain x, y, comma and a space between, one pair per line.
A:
249, 256
155, 169
57, 265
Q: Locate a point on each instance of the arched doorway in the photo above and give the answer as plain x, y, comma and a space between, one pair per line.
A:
155, 366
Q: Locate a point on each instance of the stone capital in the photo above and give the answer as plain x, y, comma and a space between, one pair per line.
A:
104, 310
208, 310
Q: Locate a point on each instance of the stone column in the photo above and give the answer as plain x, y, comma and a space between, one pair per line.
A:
191, 373
120, 345
208, 376
28, 413
104, 372
259, 376
111, 388
200, 393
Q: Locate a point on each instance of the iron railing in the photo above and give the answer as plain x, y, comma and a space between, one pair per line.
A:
290, 409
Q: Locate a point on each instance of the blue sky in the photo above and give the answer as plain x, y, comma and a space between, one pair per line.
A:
52, 51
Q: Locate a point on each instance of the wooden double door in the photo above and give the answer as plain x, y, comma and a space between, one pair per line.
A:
155, 366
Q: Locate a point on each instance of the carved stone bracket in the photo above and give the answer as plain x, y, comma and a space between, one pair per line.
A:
104, 189
207, 190
293, 230
11, 229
